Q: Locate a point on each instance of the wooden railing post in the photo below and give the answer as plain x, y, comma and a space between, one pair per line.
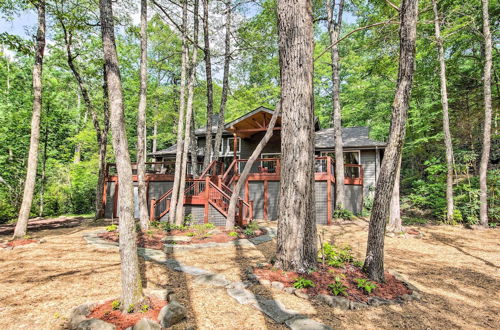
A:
152, 210
329, 190
207, 197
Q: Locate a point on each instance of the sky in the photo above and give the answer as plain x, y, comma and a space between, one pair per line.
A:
20, 24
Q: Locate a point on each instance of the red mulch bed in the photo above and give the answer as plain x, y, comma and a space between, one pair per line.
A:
325, 275
18, 242
121, 320
157, 238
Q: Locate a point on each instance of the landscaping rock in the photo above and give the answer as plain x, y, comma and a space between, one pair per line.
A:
301, 294
162, 294
303, 323
177, 238
192, 270
242, 296
334, 301
146, 324
95, 324
79, 313
264, 282
212, 279
277, 285
357, 305
375, 301
289, 289
260, 239
275, 310
171, 314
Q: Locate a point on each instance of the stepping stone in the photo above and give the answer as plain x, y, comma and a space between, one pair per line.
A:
177, 238
304, 323
192, 270
260, 239
212, 279
275, 310
242, 296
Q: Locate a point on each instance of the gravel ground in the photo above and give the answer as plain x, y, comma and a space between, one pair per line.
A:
456, 269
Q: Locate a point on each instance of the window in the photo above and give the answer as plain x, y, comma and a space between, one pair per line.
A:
230, 145
350, 157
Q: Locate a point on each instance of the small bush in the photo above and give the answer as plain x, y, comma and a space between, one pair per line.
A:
357, 263
115, 304
253, 226
233, 234
191, 234
335, 256
302, 283
338, 287
144, 308
342, 214
365, 285
249, 232
112, 227
130, 308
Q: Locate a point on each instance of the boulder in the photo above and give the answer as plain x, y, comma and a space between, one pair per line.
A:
277, 285
301, 294
146, 324
79, 314
95, 324
171, 314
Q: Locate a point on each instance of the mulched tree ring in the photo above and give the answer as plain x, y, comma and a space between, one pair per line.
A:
394, 290
18, 242
121, 320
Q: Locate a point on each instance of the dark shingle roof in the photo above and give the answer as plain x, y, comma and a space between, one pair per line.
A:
352, 137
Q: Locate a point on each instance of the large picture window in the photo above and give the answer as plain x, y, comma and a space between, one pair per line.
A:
230, 145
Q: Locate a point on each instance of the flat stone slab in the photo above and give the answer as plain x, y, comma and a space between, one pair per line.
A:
275, 310
242, 296
177, 238
304, 323
260, 239
212, 279
192, 270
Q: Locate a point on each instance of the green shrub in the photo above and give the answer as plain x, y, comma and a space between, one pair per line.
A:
365, 285
302, 283
253, 226
335, 256
115, 304
144, 308
338, 287
342, 214
112, 227
233, 234
130, 308
249, 232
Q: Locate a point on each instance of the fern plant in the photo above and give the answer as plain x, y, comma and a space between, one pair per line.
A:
365, 285
302, 283
338, 287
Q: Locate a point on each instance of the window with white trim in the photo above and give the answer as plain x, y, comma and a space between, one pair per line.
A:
230, 145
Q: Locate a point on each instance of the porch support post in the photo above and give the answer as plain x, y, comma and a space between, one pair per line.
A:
329, 190
235, 146
152, 210
266, 199
207, 196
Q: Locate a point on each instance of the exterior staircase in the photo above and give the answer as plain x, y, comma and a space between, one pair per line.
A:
210, 189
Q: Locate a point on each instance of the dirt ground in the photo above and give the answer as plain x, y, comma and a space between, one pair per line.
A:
456, 269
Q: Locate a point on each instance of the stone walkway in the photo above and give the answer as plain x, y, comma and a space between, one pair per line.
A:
237, 290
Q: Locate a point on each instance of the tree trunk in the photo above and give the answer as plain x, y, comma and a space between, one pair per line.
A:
334, 32
225, 81
155, 131
374, 262
141, 121
194, 148
44, 163
485, 155
446, 120
179, 216
395, 223
210, 93
248, 166
29, 185
103, 146
296, 247
180, 123
130, 276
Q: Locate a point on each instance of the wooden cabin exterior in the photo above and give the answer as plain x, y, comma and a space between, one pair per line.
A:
207, 195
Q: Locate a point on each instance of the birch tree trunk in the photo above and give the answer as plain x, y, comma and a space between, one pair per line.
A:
485, 155
231, 212
103, 146
180, 123
446, 119
334, 32
194, 147
296, 246
29, 184
130, 276
225, 81
395, 223
141, 121
374, 262
210, 93
179, 216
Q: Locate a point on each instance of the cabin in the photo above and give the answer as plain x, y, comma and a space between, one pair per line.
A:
208, 190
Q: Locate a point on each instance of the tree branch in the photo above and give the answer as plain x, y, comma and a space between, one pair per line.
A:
391, 21
392, 5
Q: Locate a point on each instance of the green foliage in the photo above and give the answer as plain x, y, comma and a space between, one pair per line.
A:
131, 308
249, 232
145, 308
302, 283
233, 234
115, 304
112, 227
357, 263
338, 287
335, 256
342, 214
365, 285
